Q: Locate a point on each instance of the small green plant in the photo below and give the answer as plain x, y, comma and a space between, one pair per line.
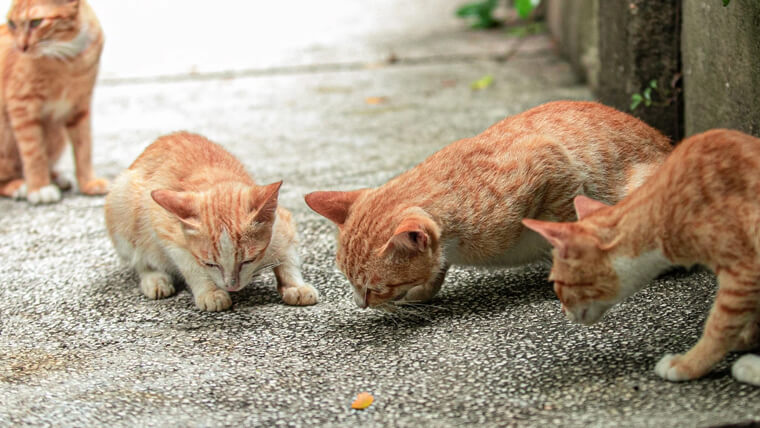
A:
645, 96
726, 2
483, 11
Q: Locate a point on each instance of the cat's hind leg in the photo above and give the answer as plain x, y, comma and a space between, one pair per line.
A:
11, 188
290, 283
734, 308
747, 369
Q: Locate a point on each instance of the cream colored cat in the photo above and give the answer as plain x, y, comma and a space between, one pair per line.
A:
187, 209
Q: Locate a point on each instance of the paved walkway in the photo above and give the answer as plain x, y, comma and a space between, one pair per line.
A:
80, 346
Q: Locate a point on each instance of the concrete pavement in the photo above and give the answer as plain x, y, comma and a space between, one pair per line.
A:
80, 346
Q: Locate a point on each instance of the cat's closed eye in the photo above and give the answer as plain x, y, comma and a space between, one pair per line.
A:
34, 23
211, 265
11, 24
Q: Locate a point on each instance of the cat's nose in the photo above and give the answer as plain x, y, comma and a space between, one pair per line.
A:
24, 47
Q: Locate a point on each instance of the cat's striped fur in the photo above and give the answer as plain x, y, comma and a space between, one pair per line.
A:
463, 205
186, 208
702, 206
49, 55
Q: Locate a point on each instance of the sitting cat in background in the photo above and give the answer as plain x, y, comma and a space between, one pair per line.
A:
186, 207
463, 204
701, 206
49, 53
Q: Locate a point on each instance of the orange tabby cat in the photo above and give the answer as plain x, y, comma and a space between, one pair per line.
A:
187, 208
702, 206
463, 205
49, 54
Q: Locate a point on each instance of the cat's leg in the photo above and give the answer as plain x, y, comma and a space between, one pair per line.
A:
734, 308
208, 297
747, 369
290, 283
80, 133
10, 189
155, 284
150, 264
425, 292
749, 338
28, 131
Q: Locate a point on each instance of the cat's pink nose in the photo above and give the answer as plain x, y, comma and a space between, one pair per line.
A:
24, 47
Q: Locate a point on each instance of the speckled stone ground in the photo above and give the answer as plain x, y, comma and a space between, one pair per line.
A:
80, 346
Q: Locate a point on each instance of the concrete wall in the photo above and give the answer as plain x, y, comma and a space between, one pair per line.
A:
639, 42
721, 65
574, 25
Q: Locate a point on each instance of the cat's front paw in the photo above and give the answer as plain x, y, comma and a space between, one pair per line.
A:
671, 367
302, 295
213, 300
747, 369
97, 186
420, 293
44, 195
156, 285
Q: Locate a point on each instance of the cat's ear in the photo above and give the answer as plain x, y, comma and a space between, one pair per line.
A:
415, 234
265, 207
556, 233
333, 205
585, 206
181, 204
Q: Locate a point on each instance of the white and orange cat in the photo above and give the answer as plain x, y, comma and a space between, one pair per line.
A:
463, 204
49, 54
186, 209
702, 206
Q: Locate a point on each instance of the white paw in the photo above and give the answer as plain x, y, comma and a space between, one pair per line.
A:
667, 368
45, 195
747, 369
156, 285
300, 296
20, 193
213, 300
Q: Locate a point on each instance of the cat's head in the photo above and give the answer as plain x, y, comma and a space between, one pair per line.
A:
227, 228
35, 24
384, 249
583, 270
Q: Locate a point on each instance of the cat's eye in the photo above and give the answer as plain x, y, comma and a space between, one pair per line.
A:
245, 262
211, 265
34, 23
11, 24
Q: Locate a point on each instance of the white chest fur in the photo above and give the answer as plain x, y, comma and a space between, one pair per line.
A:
57, 109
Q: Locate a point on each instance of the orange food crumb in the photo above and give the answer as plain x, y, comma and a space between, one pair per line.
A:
363, 400
375, 100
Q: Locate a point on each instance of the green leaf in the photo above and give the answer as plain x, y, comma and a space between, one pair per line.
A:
525, 7
726, 2
470, 9
482, 83
635, 101
653, 84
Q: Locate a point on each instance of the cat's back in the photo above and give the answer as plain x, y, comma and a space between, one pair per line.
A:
582, 126
188, 158
718, 155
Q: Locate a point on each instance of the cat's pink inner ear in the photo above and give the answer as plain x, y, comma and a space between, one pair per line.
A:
555, 233
414, 235
181, 204
333, 205
266, 209
585, 206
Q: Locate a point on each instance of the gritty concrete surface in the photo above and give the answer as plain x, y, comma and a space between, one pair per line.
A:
80, 346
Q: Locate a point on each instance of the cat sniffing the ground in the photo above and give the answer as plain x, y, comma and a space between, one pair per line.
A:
49, 54
702, 206
463, 204
186, 209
